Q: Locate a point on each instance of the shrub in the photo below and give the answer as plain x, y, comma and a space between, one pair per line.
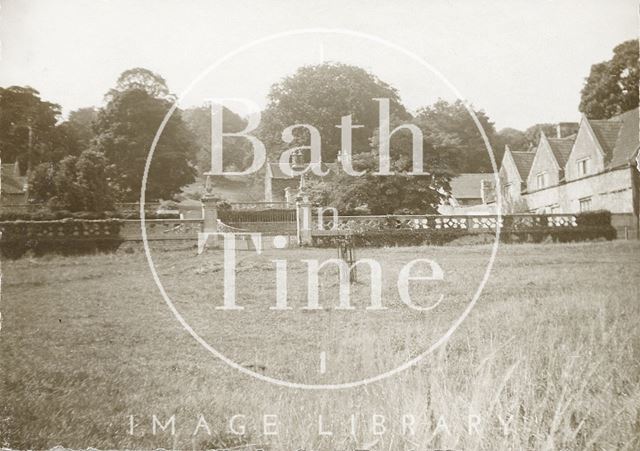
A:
74, 183
599, 218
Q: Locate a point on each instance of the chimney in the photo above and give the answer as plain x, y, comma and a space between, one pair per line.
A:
559, 131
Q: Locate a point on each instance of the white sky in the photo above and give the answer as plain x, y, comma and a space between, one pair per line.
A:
522, 61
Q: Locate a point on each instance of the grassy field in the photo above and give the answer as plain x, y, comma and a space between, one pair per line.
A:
549, 358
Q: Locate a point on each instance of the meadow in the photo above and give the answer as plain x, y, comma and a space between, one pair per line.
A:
549, 357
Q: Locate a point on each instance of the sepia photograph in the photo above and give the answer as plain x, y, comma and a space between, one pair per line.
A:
320, 226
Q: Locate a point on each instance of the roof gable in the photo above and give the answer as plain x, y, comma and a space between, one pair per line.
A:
617, 138
523, 162
627, 141
606, 132
561, 148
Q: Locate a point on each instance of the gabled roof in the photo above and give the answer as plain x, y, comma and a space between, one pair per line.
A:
607, 133
523, 162
561, 148
628, 139
468, 186
618, 137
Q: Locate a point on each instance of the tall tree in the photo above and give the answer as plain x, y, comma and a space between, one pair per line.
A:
81, 122
27, 126
74, 135
125, 130
320, 95
451, 125
236, 153
612, 86
142, 79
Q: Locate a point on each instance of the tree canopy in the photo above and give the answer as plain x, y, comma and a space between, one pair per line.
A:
144, 80
125, 129
612, 86
402, 192
237, 150
450, 125
320, 95
27, 126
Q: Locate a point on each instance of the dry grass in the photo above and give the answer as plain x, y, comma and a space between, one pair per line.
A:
552, 350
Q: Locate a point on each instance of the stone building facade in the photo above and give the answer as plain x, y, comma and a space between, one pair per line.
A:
593, 169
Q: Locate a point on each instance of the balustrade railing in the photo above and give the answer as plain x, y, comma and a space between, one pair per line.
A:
471, 224
261, 205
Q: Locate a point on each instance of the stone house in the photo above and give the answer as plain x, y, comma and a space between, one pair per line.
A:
595, 170
548, 165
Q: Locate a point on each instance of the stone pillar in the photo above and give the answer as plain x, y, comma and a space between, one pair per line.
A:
303, 221
210, 224
210, 213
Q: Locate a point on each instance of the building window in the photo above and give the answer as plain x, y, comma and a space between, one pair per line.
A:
541, 180
583, 167
585, 204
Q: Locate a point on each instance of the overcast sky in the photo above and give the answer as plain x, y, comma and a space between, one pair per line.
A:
523, 62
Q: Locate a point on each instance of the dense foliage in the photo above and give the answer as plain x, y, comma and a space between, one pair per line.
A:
236, 154
125, 129
28, 132
612, 86
320, 95
75, 183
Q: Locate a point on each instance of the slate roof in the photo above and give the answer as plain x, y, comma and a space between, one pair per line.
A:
523, 161
467, 186
607, 133
623, 149
561, 148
